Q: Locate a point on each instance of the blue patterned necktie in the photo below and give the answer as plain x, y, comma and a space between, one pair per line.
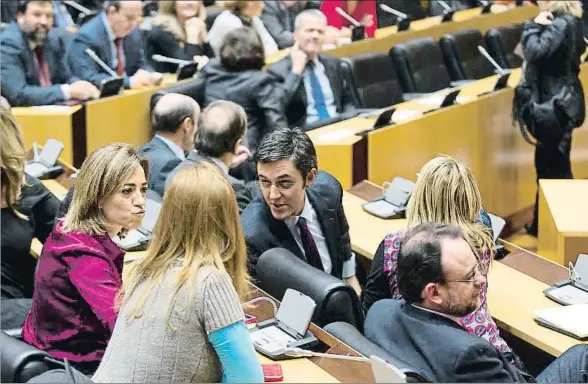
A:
317, 93
310, 250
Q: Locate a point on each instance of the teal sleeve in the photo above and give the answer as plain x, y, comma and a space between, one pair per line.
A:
236, 353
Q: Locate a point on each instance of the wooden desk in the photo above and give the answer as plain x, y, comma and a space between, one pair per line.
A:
62, 123
563, 219
511, 308
479, 131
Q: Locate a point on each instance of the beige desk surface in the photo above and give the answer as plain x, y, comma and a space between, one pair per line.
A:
568, 203
301, 371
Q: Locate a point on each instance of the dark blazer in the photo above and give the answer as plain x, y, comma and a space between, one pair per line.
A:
242, 193
295, 94
93, 35
279, 21
263, 232
254, 90
161, 42
20, 76
439, 348
162, 162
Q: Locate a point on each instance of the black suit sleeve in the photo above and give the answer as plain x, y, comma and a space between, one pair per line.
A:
540, 42
480, 362
271, 105
344, 227
243, 195
283, 37
377, 287
287, 82
165, 44
44, 210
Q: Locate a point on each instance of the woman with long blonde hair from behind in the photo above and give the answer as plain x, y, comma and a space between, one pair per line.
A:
446, 193
181, 318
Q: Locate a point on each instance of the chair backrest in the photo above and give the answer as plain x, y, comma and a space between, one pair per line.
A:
278, 269
502, 42
194, 89
373, 79
462, 58
420, 66
352, 337
211, 15
19, 361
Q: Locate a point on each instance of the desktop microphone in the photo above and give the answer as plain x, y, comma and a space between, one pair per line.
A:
299, 352
586, 41
101, 63
445, 5
348, 17
165, 59
393, 11
490, 59
78, 7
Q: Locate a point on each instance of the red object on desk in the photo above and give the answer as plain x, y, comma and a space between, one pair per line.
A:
362, 8
272, 372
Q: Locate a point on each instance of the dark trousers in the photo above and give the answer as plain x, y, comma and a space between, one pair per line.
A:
14, 312
552, 162
571, 367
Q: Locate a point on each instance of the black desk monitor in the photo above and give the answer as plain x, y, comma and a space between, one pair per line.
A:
358, 33
447, 16
384, 119
111, 87
186, 71
486, 8
403, 24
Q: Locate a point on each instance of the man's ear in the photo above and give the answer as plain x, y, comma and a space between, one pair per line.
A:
237, 145
431, 294
187, 125
310, 178
20, 17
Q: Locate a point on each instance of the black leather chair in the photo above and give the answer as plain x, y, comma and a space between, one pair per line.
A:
211, 15
502, 42
20, 361
278, 270
352, 337
373, 80
420, 65
462, 58
194, 89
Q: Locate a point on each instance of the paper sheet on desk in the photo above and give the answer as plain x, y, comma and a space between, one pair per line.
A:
401, 115
59, 108
438, 99
571, 318
334, 136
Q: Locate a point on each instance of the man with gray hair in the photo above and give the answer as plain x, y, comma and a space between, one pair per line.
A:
219, 138
320, 94
174, 120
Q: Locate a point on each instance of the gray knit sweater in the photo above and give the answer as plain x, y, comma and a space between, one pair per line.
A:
146, 350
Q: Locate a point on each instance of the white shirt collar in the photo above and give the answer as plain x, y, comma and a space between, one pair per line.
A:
452, 318
111, 35
179, 152
220, 164
306, 213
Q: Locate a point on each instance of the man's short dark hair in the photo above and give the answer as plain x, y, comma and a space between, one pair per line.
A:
241, 49
222, 124
171, 118
419, 258
23, 4
111, 3
287, 144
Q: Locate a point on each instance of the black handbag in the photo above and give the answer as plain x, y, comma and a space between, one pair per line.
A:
550, 121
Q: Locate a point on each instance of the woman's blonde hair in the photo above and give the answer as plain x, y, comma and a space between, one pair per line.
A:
235, 6
103, 173
167, 19
573, 8
198, 226
446, 192
13, 160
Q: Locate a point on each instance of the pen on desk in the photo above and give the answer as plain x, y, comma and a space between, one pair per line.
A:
36, 152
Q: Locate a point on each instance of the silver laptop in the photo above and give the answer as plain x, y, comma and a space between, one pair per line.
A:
498, 224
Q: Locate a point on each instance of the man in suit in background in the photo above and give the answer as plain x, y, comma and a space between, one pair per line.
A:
32, 67
300, 209
219, 139
320, 92
439, 279
278, 17
114, 37
175, 121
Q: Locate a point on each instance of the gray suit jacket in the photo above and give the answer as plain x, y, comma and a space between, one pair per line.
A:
162, 162
242, 192
20, 76
279, 21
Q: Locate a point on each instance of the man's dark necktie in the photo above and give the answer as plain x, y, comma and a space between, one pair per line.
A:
120, 65
310, 250
44, 76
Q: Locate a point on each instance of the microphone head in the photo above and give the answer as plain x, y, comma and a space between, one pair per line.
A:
156, 57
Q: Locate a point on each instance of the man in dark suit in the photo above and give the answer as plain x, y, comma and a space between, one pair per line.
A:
114, 37
278, 17
219, 139
174, 120
320, 93
300, 209
32, 67
439, 279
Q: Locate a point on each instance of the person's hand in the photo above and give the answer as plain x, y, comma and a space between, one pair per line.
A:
544, 18
83, 90
354, 283
194, 27
201, 61
140, 79
242, 154
367, 20
155, 78
299, 59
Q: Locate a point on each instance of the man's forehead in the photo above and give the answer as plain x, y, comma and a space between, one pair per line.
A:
456, 255
277, 169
